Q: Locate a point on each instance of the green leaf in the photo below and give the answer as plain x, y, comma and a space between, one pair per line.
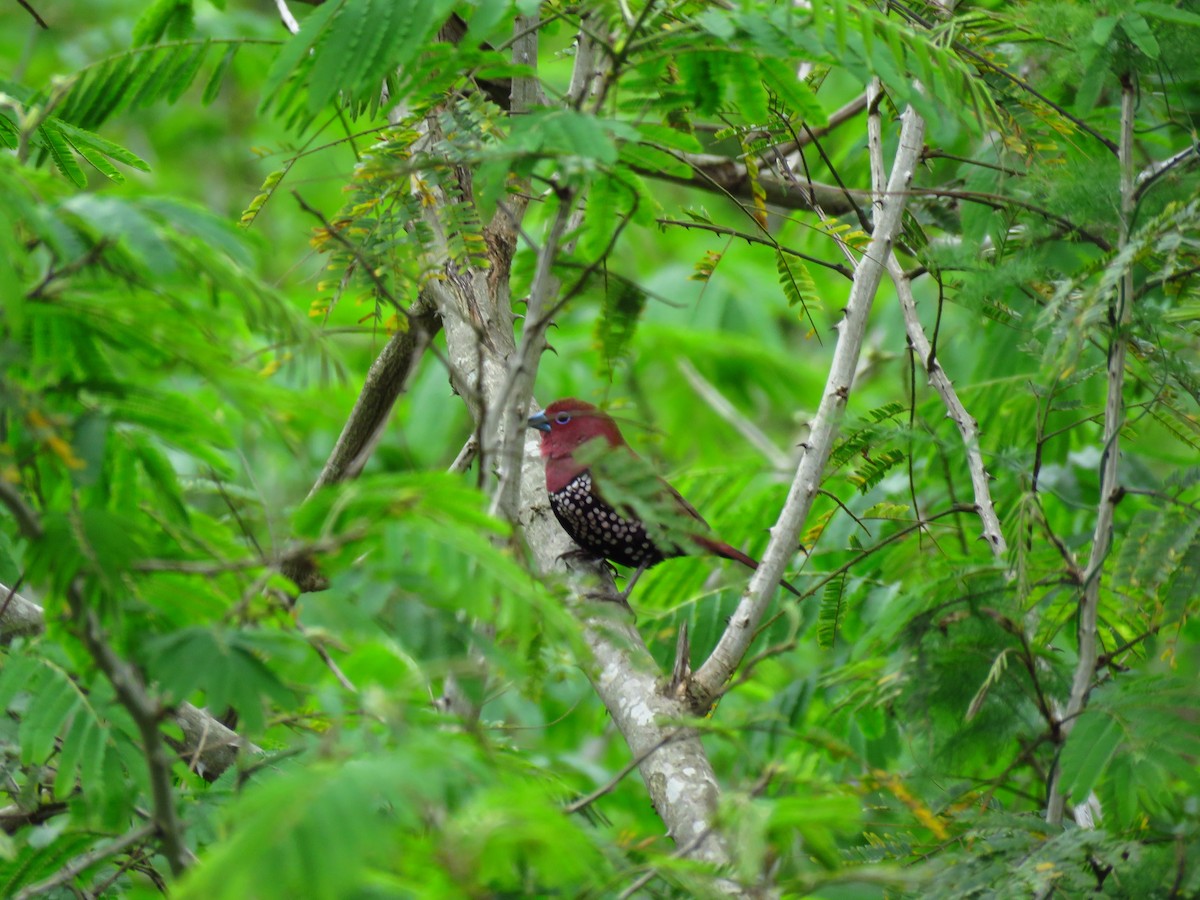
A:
60, 152
796, 96
215, 80
832, 612
161, 17
293, 57
484, 22
623, 306
1090, 746
92, 147
1137, 29
1168, 13
366, 41
1102, 30
225, 665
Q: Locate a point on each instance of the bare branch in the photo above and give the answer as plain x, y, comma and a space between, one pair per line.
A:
968, 428
736, 639
728, 176
1121, 312
18, 616
1149, 175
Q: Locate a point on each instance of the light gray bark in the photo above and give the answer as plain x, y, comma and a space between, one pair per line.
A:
731, 649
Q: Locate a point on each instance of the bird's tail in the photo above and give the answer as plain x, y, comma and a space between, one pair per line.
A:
720, 548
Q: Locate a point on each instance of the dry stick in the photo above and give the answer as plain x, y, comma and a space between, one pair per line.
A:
1114, 419
735, 641
85, 861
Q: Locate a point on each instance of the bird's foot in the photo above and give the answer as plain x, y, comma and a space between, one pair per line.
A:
579, 555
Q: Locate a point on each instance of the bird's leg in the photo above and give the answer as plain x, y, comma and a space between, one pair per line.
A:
637, 573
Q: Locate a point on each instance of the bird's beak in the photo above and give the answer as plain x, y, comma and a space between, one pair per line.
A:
540, 422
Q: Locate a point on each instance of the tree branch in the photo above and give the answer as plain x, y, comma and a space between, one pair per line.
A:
968, 428
723, 175
478, 323
736, 639
1121, 313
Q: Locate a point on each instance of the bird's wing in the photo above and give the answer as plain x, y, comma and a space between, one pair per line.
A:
683, 504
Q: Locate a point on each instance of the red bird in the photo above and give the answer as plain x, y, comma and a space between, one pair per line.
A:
600, 530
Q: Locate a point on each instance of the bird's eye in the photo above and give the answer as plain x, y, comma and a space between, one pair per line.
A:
562, 419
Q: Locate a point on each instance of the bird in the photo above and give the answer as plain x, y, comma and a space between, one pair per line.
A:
611, 520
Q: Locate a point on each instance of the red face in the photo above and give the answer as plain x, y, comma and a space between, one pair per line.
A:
568, 424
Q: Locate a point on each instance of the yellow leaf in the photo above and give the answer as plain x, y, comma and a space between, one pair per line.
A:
63, 451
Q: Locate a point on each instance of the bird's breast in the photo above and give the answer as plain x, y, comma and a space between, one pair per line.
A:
599, 529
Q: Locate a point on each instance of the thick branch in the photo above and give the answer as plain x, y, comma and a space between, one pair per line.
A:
478, 324
513, 406
734, 643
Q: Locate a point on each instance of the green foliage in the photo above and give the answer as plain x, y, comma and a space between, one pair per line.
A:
348, 49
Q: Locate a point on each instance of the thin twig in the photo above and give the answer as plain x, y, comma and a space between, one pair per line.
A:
842, 270
609, 786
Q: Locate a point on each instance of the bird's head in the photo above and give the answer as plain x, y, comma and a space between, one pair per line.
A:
568, 424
